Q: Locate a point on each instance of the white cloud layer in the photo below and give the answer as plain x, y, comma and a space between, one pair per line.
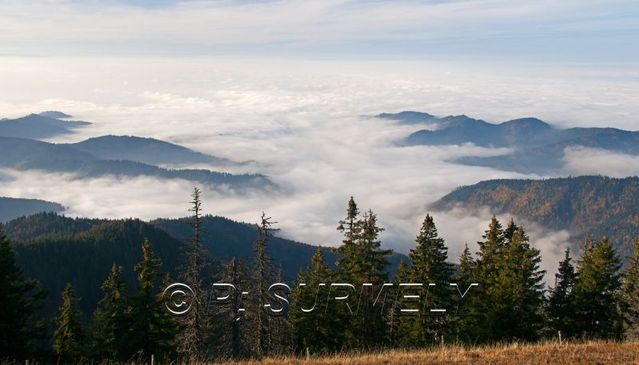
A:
592, 161
305, 125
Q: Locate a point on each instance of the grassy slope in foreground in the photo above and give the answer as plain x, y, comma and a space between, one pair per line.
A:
549, 353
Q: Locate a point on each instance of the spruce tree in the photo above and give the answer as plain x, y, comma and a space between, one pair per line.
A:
110, 330
520, 286
69, 338
508, 302
560, 309
263, 279
479, 308
631, 295
194, 335
152, 328
463, 318
350, 228
314, 330
21, 298
464, 275
362, 261
399, 329
232, 327
598, 292
430, 265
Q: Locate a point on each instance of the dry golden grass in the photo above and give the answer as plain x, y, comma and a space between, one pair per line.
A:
548, 353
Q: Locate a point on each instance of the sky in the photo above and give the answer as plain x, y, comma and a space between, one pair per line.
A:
545, 31
293, 86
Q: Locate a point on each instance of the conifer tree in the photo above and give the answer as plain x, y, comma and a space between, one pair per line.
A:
430, 265
263, 279
195, 326
110, 330
631, 295
598, 292
21, 298
398, 328
479, 307
232, 326
508, 303
463, 318
560, 306
151, 327
314, 330
350, 227
69, 334
464, 276
520, 289
362, 261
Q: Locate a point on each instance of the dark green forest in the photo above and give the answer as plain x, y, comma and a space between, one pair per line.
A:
83, 289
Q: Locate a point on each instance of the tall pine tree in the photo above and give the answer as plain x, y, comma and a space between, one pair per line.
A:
194, 337
110, 329
560, 311
430, 265
362, 261
69, 340
21, 298
313, 328
152, 328
508, 303
463, 318
598, 292
263, 279
631, 295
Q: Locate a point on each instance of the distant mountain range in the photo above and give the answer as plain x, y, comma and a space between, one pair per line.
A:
12, 208
37, 126
128, 156
145, 150
537, 147
410, 117
27, 154
55, 249
588, 205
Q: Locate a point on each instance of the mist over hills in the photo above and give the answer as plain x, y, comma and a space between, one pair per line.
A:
12, 208
43, 125
121, 156
537, 147
145, 150
26, 154
588, 205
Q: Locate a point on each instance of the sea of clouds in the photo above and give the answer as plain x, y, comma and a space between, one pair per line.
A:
309, 126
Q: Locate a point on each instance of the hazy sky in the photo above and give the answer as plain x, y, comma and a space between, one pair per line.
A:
543, 31
292, 85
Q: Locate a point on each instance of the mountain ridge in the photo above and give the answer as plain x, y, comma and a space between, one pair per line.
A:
537, 146
12, 208
38, 126
29, 154
586, 205
145, 150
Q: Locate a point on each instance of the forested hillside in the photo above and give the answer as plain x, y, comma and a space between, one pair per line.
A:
594, 205
107, 280
55, 249
81, 252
